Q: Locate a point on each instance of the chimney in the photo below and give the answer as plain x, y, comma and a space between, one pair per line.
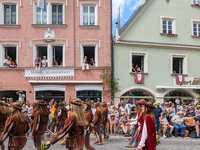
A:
118, 16
117, 31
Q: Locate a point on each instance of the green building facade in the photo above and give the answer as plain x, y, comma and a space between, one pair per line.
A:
163, 38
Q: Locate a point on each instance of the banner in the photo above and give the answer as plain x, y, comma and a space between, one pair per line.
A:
180, 79
139, 78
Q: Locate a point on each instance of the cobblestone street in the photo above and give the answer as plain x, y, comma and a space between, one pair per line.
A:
118, 142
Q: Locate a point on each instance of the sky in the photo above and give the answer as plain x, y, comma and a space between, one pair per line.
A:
127, 8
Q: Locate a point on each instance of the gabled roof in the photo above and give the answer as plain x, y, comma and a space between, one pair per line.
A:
133, 17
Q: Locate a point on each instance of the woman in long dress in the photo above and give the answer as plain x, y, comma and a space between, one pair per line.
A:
148, 137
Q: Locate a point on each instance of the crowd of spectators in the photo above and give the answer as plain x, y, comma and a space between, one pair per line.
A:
172, 119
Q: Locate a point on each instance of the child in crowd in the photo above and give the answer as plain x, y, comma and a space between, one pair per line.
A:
117, 119
123, 120
112, 124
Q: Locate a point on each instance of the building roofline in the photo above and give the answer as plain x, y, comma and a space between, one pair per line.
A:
137, 13
157, 45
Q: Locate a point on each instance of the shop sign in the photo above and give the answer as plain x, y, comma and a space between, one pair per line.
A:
139, 78
192, 81
49, 73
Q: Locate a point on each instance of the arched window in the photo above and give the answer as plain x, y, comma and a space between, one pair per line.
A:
183, 96
136, 95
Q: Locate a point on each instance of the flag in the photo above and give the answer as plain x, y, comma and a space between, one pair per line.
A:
180, 79
139, 78
41, 4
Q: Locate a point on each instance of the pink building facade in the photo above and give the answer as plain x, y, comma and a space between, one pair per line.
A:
65, 32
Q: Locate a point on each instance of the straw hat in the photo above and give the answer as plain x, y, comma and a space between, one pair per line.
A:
180, 112
112, 115
166, 103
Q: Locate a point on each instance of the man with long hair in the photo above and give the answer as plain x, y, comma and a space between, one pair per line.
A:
89, 117
40, 123
16, 127
74, 126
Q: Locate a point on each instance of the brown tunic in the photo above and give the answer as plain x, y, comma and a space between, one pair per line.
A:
104, 115
3, 119
62, 117
75, 133
97, 117
33, 113
89, 120
39, 123
15, 127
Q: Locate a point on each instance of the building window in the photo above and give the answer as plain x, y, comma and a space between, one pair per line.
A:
57, 55
57, 14
139, 62
167, 27
196, 2
196, 29
54, 54
12, 53
89, 15
42, 51
53, 14
91, 52
87, 96
41, 15
10, 14
179, 64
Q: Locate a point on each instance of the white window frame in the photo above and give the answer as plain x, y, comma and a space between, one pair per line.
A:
89, 88
173, 19
197, 22
58, 44
96, 12
96, 53
49, 53
2, 48
194, 2
145, 55
2, 11
184, 56
49, 11
35, 12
